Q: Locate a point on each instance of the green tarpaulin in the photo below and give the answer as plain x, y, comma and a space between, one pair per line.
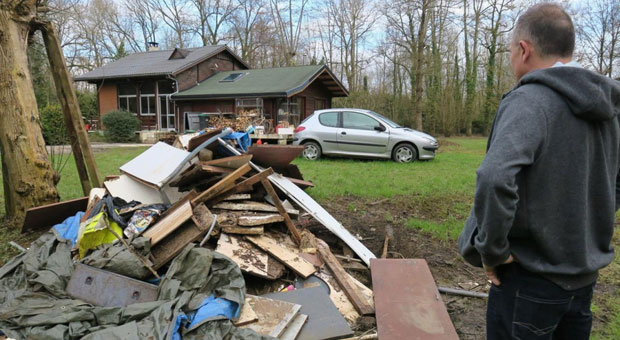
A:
34, 303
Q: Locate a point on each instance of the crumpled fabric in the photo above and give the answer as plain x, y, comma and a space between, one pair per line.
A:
69, 228
34, 303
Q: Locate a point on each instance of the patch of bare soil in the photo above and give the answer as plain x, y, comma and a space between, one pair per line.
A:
368, 220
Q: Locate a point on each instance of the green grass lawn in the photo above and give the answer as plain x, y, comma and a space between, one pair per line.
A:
443, 188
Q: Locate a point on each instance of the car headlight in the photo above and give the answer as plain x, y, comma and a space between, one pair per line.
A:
430, 141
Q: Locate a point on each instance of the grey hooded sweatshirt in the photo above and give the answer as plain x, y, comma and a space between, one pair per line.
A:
548, 188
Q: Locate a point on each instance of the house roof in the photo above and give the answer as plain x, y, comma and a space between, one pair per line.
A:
266, 82
154, 63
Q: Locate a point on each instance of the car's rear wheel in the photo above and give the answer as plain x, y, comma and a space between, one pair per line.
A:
404, 153
312, 151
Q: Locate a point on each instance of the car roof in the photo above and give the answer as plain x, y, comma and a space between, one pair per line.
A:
338, 109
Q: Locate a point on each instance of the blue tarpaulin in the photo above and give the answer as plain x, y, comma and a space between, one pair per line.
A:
68, 229
209, 308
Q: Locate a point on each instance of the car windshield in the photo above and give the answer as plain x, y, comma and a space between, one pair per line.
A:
386, 120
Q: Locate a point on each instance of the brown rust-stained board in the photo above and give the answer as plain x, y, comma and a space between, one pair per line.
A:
295, 262
48, 215
169, 223
408, 304
250, 259
273, 315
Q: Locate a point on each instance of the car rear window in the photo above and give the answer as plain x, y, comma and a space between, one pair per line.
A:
329, 119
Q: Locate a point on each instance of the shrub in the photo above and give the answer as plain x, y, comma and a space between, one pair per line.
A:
120, 126
88, 104
53, 125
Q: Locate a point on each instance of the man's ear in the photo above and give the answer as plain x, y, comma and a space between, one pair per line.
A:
526, 51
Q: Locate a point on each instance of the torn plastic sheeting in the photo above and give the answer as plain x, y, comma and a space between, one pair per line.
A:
69, 228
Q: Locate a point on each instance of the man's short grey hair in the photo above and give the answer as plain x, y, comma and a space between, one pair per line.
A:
549, 28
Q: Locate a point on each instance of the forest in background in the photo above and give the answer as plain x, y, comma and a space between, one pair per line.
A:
439, 66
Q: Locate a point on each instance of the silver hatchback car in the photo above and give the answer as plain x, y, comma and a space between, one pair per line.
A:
361, 133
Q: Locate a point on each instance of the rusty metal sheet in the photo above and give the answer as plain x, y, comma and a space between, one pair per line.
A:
103, 288
407, 302
275, 156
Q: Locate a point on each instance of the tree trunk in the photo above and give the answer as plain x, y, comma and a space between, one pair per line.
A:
28, 177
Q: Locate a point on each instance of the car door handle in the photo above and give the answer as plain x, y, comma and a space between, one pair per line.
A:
343, 133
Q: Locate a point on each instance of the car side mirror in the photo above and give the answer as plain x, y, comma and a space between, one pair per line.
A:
380, 128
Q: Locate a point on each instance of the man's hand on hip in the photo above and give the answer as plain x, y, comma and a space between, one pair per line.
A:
492, 272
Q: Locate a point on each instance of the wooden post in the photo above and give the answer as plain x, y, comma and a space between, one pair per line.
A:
287, 219
83, 154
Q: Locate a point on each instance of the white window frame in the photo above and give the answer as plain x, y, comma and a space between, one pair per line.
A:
154, 108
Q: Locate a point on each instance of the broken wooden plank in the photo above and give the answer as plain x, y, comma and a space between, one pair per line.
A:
249, 258
44, 216
292, 330
287, 219
247, 316
192, 174
173, 244
233, 162
244, 230
413, 310
324, 319
295, 262
215, 170
201, 138
169, 223
223, 185
244, 186
273, 315
238, 197
251, 206
342, 277
254, 220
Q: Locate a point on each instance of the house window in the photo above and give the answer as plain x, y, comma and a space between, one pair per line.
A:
147, 99
232, 77
127, 99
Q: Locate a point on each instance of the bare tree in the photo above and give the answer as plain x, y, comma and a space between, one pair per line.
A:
351, 20
288, 20
145, 18
246, 26
174, 14
600, 32
212, 16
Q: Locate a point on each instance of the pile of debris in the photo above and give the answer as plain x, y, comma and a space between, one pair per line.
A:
195, 241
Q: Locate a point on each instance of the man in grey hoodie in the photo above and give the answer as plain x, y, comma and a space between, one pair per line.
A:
548, 188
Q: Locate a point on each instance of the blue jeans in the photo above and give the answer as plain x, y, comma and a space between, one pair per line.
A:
527, 306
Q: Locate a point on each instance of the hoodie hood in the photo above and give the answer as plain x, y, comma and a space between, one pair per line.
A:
590, 96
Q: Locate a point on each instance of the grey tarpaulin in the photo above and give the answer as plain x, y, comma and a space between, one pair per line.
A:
35, 305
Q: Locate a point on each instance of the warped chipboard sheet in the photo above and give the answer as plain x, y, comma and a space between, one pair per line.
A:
155, 164
129, 189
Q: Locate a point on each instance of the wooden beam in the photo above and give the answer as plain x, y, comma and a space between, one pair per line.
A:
244, 186
244, 230
169, 223
225, 184
343, 280
295, 262
71, 109
287, 219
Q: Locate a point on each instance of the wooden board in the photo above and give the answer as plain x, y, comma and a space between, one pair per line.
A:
342, 277
169, 223
201, 138
49, 215
287, 219
324, 319
244, 186
293, 261
253, 220
250, 259
251, 206
225, 184
232, 162
273, 315
247, 316
238, 197
244, 230
292, 330
340, 299
409, 311
172, 245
